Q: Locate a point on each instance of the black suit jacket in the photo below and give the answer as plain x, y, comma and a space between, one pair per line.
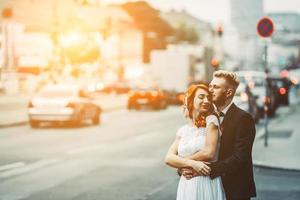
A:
235, 155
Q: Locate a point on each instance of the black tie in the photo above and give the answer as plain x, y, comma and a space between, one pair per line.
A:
221, 114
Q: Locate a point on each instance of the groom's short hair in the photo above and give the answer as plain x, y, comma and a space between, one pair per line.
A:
230, 77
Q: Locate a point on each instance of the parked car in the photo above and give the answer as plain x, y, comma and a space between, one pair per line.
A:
62, 104
151, 97
256, 81
247, 101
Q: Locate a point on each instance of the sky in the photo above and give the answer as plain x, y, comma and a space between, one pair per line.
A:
218, 10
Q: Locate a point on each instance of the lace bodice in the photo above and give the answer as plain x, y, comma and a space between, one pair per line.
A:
192, 139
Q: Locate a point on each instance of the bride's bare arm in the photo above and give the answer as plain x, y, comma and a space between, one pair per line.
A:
172, 159
210, 148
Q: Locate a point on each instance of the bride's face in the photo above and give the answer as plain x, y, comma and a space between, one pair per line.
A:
202, 101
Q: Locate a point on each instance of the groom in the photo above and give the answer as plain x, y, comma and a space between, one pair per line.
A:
238, 132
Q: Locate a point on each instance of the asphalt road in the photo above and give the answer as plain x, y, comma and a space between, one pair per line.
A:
120, 159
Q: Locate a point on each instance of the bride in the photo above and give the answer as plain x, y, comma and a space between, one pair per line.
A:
196, 143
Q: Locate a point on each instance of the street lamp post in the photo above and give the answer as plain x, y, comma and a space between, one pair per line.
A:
7, 14
267, 94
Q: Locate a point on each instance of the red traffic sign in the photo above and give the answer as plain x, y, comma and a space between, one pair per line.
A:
265, 27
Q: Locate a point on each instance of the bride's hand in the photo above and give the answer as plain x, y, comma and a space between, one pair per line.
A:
200, 167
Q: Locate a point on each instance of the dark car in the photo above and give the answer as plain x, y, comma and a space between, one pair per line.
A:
62, 104
146, 97
281, 87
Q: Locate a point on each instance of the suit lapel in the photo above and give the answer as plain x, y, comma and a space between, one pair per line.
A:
228, 118
226, 130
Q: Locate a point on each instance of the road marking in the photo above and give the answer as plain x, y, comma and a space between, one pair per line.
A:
28, 168
11, 166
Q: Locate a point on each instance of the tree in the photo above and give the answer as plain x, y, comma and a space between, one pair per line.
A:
154, 28
147, 18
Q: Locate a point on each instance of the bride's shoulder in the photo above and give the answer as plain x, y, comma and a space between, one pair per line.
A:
212, 118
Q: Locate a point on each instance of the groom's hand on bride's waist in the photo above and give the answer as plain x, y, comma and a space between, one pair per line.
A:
190, 173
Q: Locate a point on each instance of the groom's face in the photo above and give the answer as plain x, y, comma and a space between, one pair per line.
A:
218, 88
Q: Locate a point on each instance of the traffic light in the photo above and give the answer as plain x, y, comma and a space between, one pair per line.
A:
220, 30
215, 63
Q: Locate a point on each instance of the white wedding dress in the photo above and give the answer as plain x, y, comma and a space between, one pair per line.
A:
200, 187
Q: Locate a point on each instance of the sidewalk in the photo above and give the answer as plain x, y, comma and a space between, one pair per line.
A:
283, 148
13, 108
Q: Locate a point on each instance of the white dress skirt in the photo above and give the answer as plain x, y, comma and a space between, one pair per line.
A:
192, 139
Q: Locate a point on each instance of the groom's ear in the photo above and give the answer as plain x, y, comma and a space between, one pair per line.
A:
230, 92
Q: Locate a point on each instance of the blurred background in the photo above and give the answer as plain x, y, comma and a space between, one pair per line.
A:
91, 92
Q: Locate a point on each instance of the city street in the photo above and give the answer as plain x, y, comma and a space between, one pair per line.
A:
123, 158
93, 93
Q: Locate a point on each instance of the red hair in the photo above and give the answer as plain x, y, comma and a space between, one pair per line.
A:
190, 95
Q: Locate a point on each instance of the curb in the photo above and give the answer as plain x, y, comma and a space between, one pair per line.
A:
13, 124
260, 164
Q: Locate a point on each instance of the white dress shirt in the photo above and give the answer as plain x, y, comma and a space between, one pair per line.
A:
224, 111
